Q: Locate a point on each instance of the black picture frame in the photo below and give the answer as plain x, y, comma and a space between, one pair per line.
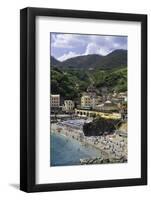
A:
28, 99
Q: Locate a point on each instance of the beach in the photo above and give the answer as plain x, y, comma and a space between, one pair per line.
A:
111, 147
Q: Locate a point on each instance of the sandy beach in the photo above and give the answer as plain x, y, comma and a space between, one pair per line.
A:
112, 146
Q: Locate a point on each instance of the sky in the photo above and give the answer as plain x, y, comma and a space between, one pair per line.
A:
65, 46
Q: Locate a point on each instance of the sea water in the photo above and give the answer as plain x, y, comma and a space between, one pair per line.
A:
67, 151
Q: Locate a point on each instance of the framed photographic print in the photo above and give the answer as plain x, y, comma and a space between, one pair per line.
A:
83, 99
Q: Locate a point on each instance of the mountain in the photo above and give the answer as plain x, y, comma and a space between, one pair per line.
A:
115, 59
54, 62
82, 61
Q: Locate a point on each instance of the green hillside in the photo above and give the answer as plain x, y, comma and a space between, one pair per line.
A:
73, 76
72, 83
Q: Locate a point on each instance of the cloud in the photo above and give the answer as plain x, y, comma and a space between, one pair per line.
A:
66, 56
64, 46
104, 51
61, 40
65, 40
93, 48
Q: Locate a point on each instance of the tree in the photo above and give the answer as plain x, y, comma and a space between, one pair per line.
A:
98, 127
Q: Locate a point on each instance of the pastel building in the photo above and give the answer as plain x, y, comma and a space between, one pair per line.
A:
90, 101
92, 113
55, 100
86, 101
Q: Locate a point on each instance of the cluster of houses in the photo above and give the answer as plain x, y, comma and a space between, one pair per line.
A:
91, 104
67, 107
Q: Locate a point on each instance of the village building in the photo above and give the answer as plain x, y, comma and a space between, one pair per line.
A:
85, 101
68, 106
108, 106
95, 113
95, 101
90, 101
55, 100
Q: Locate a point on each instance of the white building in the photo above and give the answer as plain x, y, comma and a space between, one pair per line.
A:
68, 106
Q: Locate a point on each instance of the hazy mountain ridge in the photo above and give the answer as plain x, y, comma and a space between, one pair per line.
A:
54, 61
115, 59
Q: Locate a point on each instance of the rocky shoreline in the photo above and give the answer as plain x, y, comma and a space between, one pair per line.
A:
103, 160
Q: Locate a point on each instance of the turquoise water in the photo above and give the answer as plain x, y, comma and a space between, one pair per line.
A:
67, 151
